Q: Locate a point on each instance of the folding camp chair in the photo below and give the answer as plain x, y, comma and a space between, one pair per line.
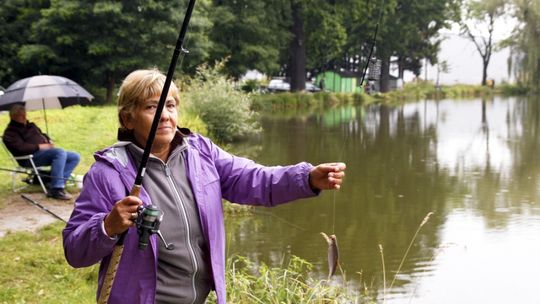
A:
32, 172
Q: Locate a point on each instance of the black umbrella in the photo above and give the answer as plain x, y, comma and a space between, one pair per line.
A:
44, 92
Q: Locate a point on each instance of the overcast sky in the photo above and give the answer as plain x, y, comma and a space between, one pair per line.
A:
464, 60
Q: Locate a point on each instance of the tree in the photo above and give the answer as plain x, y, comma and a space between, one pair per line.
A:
411, 33
99, 42
359, 19
525, 43
247, 33
297, 48
442, 67
317, 37
408, 30
480, 16
326, 35
16, 19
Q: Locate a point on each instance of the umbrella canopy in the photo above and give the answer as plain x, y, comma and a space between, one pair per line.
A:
44, 92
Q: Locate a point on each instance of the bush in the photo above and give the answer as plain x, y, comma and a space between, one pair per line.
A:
251, 86
225, 110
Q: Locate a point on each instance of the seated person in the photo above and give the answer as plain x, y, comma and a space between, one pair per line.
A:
23, 138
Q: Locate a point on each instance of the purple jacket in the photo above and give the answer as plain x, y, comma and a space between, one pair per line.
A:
213, 173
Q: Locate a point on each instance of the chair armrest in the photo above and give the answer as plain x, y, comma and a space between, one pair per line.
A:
24, 157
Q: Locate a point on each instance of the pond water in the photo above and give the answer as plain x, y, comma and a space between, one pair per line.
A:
473, 163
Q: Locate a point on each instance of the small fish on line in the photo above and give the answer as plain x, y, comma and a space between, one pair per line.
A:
333, 253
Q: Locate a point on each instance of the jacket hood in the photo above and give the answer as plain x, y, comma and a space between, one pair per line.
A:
117, 156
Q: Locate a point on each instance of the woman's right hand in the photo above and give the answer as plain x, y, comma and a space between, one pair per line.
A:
122, 216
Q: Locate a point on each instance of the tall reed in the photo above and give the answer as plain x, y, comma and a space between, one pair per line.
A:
384, 272
424, 221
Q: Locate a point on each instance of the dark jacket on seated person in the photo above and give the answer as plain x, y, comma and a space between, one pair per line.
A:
23, 139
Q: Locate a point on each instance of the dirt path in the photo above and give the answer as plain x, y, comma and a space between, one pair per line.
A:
20, 215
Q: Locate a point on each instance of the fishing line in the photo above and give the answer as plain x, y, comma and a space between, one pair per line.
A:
256, 211
340, 155
345, 141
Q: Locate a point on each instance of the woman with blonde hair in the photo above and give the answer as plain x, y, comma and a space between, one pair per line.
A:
186, 177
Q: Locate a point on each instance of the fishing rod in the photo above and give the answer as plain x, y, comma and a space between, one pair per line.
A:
42, 207
373, 42
136, 189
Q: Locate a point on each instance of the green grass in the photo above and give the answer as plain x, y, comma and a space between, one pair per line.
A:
34, 270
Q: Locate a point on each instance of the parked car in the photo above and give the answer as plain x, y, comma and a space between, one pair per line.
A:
280, 85
310, 87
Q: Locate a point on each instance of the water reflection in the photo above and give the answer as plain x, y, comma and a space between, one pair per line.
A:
472, 162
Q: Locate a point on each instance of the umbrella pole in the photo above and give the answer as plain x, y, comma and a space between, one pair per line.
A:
45, 115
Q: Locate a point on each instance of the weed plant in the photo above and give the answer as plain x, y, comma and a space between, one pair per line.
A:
258, 283
225, 110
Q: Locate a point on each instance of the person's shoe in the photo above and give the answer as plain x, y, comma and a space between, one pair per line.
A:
59, 194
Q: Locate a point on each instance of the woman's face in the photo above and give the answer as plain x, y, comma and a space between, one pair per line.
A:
140, 121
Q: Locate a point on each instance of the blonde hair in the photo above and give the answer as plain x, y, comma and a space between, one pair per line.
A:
138, 86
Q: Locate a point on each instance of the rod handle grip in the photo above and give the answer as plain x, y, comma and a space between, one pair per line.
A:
135, 191
110, 275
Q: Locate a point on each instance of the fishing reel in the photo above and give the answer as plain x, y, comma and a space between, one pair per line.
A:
148, 220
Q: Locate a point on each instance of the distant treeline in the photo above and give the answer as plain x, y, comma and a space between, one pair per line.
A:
96, 43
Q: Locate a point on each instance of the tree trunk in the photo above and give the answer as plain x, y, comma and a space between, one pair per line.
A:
484, 71
385, 73
110, 87
297, 55
401, 67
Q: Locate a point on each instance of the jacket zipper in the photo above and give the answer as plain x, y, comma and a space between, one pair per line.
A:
184, 214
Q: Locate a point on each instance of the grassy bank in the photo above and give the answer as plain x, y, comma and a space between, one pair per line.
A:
305, 101
35, 271
311, 102
423, 90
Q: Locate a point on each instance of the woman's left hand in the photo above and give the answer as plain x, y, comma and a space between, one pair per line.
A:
327, 176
